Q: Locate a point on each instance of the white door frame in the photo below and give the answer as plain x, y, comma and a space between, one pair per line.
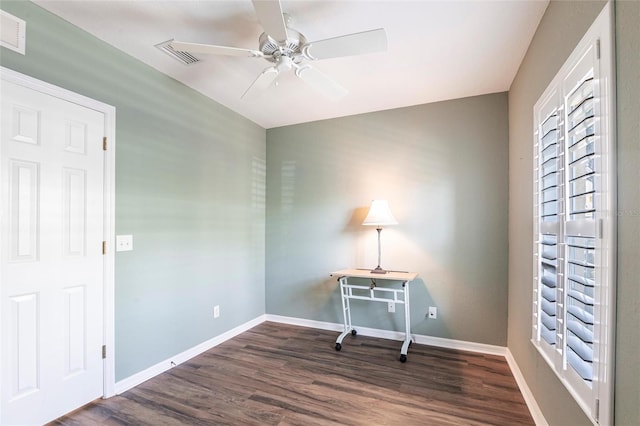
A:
109, 112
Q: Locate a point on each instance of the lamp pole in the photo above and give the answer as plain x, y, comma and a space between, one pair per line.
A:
379, 269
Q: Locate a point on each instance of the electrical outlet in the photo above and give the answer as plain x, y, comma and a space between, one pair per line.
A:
124, 242
216, 311
391, 307
433, 312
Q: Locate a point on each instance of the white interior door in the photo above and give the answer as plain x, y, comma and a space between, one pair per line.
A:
51, 275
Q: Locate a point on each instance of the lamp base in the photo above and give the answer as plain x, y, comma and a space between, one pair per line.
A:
378, 270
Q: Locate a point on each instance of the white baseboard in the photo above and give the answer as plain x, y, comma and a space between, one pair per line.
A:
321, 325
534, 409
394, 335
159, 368
461, 345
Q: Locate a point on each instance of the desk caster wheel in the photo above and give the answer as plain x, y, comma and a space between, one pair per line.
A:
403, 358
353, 332
338, 346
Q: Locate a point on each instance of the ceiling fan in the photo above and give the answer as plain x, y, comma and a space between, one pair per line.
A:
288, 49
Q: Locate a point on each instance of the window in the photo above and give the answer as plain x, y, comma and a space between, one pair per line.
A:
574, 223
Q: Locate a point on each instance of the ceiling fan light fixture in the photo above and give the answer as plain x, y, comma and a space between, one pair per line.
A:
284, 64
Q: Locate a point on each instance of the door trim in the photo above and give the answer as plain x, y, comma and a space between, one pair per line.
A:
109, 112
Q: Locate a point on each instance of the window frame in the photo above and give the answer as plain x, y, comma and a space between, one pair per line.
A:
597, 400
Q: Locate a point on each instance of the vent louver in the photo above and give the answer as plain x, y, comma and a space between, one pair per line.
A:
185, 58
13, 32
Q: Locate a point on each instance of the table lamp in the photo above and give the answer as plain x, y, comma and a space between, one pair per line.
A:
379, 215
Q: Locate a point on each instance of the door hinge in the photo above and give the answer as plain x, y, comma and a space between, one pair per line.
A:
104, 247
598, 49
597, 410
104, 351
104, 143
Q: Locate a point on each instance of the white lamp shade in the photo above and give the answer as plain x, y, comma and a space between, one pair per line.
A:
379, 214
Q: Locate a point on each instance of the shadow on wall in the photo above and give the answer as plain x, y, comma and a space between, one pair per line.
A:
354, 224
319, 294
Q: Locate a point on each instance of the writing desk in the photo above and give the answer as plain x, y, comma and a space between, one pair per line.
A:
380, 290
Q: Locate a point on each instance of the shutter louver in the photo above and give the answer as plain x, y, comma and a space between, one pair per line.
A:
581, 153
581, 230
548, 198
549, 171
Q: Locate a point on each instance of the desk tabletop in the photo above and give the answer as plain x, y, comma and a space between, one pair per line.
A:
366, 273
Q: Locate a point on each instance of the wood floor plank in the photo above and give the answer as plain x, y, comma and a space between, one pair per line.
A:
283, 375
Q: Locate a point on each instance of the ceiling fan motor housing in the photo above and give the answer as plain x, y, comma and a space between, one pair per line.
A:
291, 47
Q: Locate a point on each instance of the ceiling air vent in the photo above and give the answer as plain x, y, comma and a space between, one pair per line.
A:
14, 31
184, 57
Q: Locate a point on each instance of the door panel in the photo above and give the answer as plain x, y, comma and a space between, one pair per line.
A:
74, 206
23, 199
75, 328
24, 345
52, 269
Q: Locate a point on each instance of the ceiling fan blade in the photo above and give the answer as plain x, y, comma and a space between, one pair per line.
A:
270, 16
214, 50
262, 83
321, 83
351, 44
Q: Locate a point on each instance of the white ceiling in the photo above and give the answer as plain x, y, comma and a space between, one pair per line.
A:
437, 50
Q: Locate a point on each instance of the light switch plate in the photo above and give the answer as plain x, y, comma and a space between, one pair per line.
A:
124, 242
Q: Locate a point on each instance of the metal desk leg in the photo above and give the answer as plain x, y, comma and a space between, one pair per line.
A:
346, 312
407, 323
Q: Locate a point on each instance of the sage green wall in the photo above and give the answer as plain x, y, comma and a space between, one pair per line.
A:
443, 168
627, 390
562, 26
190, 182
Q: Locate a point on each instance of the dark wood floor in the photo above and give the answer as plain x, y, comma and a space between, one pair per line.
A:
277, 374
